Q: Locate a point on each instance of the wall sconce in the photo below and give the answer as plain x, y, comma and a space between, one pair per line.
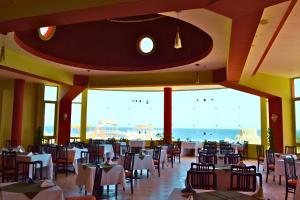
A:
65, 116
274, 118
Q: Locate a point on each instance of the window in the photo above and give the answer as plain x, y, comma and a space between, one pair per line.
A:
145, 45
124, 114
76, 117
216, 114
50, 99
297, 108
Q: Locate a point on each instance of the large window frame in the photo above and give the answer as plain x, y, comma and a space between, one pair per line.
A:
295, 100
52, 138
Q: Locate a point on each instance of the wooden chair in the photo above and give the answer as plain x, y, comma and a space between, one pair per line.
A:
207, 158
97, 188
244, 150
206, 180
128, 167
260, 154
117, 150
62, 160
246, 182
9, 166
232, 158
177, 150
135, 149
33, 148
243, 169
226, 149
270, 159
290, 176
10, 143
95, 153
170, 153
26, 168
156, 158
202, 167
290, 150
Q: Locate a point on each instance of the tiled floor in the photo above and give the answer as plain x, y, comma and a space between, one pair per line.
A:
159, 188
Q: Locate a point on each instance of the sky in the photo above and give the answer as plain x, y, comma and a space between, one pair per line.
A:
217, 109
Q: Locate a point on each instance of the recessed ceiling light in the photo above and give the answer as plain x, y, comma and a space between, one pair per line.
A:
146, 45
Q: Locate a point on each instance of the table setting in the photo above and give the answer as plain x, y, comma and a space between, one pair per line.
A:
41, 190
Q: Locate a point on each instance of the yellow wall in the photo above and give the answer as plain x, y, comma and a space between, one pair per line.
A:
6, 110
6, 106
280, 87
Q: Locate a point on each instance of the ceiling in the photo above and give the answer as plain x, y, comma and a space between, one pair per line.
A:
216, 20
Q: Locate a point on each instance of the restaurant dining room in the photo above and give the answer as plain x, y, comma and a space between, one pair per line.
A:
154, 100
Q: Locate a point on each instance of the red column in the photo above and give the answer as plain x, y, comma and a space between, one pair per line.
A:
64, 121
168, 115
275, 122
16, 128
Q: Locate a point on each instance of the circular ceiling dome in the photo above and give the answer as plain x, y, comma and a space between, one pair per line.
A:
114, 44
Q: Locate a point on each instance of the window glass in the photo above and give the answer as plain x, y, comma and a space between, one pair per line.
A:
219, 114
50, 93
75, 120
124, 114
49, 119
77, 99
297, 115
297, 87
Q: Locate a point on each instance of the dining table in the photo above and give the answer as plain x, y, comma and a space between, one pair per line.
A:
26, 191
140, 162
176, 194
111, 175
31, 157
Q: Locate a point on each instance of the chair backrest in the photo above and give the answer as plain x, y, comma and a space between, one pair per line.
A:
232, 158
117, 148
135, 149
9, 160
260, 152
170, 149
202, 167
202, 179
245, 145
33, 148
129, 161
226, 149
62, 153
156, 153
290, 169
208, 158
211, 149
96, 153
97, 182
246, 182
10, 143
290, 150
26, 167
52, 151
270, 157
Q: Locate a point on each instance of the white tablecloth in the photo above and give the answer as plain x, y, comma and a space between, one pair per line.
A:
114, 176
163, 155
45, 158
73, 155
141, 144
145, 163
190, 145
51, 193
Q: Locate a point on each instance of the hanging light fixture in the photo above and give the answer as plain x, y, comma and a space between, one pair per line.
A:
177, 44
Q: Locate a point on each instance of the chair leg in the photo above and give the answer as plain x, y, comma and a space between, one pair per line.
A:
279, 179
267, 175
107, 188
172, 162
131, 185
158, 170
179, 158
286, 193
147, 173
258, 165
116, 190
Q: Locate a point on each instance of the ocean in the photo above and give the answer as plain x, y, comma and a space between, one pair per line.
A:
193, 134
